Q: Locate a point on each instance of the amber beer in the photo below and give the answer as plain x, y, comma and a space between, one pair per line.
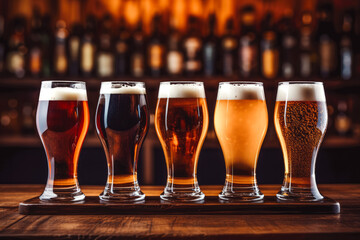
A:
62, 121
240, 122
300, 121
122, 121
181, 122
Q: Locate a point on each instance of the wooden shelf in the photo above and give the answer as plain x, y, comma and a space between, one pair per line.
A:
153, 83
34, 141
92, 141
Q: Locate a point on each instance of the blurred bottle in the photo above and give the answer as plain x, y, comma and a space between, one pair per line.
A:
10, 118
193, 48
248, 44
174, 57
2, 45
137, 58
35, 45
156, 49
88, 48
17, 49
269, 48
28, 122
342, 119
308, 57
47, 46
229, 50
347, 46
105, 56
289, 46
356, 116
122, 50
210, 48
357, 46
331, 107
60, 55
74, 50
326, 37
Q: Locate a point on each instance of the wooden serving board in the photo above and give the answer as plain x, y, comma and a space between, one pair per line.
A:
92, 205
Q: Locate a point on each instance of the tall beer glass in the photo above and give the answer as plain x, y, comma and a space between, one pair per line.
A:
62, 121
122, 122
300, 121
240, 122
181, 122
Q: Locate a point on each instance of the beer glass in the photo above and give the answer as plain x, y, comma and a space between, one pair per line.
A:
181, 122
122, 121
240, 122
300, 120
62, 121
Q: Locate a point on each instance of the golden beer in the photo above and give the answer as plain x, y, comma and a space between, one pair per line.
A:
300, 121
181, 122
240, 122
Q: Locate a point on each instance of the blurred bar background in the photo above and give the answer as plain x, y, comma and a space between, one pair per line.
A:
153, 41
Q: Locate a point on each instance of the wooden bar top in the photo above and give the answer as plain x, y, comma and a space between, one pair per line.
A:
345, 225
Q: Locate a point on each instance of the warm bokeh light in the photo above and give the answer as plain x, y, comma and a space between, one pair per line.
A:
176, 11
131, 11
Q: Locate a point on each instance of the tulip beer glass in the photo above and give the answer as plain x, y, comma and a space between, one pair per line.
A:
122, 121
240, 122
62, 121
300, 120
181, 122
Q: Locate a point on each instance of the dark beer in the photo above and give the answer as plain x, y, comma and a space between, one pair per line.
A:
62, 122
122, 123
300, 122
181, 122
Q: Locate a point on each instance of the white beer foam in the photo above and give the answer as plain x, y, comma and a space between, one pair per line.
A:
123, 90
301, 92
62, 94
181, 91
240, 91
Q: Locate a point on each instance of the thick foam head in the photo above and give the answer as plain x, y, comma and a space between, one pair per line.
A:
122, 89
240, 91
62, 94
179, 90
300, 92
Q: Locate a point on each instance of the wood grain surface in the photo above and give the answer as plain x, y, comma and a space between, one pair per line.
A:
92, 205
286, 226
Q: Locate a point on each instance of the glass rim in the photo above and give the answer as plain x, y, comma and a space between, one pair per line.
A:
122, 82
183, 82
242, 82
63, 81
301, 82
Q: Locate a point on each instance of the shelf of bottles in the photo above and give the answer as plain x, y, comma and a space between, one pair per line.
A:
306, 40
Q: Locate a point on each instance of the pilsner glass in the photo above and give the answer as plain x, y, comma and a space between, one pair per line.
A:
300, 120
62, 121
122, 123
240, 122
181, 122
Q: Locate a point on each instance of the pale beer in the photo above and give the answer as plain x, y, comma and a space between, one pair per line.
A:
240, 122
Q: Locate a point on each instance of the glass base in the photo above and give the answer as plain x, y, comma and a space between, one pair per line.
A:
122, 194
299, 194
241, 193
73, 194
182, 194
